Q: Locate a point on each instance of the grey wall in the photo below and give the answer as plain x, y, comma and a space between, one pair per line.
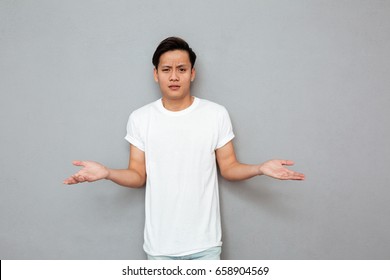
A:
302, 80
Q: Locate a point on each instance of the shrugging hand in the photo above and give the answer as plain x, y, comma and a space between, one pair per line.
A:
91, 171
275, 169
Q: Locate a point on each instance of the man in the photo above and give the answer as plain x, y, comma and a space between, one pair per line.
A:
175, 143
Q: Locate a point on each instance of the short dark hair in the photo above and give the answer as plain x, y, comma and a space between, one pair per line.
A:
172, 44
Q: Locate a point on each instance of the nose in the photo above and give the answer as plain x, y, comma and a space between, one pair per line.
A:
174, 76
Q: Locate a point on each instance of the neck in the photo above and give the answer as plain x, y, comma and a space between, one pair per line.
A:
177, 104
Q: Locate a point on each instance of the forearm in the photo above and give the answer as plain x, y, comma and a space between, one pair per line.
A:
238, 171
126, 178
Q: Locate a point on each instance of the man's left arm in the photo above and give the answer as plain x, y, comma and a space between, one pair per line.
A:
232, 170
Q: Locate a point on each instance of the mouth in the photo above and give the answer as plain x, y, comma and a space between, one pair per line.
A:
174, 87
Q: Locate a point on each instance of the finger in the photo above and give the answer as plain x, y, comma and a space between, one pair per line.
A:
296, 176
78, 163
287, 162
79, 178
70, 181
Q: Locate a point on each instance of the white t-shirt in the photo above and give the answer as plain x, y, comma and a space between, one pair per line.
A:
182, 201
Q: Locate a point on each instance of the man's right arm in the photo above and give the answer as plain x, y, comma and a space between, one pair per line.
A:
134, 176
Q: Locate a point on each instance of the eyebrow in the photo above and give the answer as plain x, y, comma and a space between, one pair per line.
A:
178, 66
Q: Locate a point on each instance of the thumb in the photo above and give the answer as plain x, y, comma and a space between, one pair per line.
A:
78, 163
287, 162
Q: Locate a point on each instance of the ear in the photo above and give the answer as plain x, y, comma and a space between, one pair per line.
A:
193, 74
155, 74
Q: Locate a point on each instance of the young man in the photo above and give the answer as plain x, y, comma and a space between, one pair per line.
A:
175, 143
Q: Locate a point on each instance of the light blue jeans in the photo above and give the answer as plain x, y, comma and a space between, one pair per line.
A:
213, 253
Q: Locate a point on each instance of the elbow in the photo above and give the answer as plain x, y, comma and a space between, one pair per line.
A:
227, 175
136, 180
140, 184
230, 171
136, 184
230, 179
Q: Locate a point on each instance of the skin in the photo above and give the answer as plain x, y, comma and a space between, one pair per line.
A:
174, 76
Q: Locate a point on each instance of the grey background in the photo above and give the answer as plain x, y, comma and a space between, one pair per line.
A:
302, 80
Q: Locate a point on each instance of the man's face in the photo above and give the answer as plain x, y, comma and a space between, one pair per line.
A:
174, 74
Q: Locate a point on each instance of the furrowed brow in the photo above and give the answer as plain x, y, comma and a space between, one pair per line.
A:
183, 65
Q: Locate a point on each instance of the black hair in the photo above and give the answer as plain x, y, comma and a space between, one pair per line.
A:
172, 44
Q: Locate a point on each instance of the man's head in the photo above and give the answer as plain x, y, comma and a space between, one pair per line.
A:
174, 68
172, 44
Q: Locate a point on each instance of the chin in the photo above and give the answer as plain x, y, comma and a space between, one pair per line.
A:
174, 95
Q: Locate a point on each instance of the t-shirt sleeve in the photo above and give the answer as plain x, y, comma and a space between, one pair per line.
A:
133, 135
225, 129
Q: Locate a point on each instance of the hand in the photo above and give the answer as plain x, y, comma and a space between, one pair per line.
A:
275, 169
92, 171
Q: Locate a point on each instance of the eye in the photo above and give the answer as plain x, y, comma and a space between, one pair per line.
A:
182, 70
165, 70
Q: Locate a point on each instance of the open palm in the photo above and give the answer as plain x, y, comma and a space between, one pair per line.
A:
91, 171
276, 169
